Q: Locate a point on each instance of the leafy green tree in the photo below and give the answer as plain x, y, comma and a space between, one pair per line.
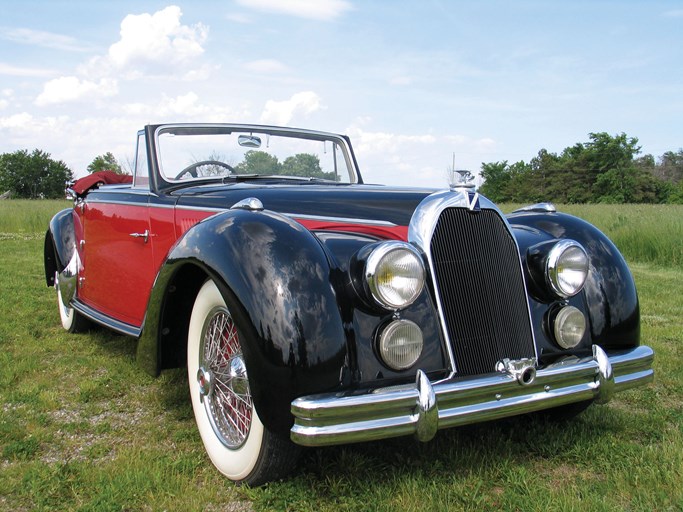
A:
670, 166
604, 169
106, 162
33, 175
305, 165
497, 178
258, 162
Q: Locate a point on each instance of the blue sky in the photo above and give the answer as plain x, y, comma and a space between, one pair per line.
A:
411, 82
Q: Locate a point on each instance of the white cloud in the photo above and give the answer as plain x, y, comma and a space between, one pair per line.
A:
6, 69
386, 142
67, 89
323, 10
16, 121
282, 112
184, 107
266, 66
420, 160
157, 44
7, 96
44, 39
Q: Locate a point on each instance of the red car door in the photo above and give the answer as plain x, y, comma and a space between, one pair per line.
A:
118, 266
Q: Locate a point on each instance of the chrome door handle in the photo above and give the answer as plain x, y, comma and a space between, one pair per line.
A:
145, 236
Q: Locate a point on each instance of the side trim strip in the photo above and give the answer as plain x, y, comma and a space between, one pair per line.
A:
107, 321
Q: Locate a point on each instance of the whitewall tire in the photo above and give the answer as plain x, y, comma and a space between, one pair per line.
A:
234, 437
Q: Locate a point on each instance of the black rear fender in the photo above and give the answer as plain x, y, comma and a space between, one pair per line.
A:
60, 244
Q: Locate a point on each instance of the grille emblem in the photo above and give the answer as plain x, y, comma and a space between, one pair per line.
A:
473, 201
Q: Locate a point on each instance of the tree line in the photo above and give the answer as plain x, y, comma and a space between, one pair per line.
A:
606, 169
36, 175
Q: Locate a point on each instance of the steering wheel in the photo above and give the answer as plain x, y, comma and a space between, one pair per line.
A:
192, 168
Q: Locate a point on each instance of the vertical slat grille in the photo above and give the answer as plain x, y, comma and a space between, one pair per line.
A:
481, 290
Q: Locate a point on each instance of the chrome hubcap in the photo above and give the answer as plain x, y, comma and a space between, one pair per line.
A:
204, 379
222, 379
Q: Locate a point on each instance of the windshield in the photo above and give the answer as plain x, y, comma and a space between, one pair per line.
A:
201, 152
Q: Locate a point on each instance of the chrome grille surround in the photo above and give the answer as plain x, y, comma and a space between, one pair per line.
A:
420, 233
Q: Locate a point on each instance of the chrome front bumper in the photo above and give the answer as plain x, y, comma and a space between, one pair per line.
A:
424, 407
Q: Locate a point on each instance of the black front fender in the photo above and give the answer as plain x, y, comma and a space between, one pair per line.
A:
280, 278
610, 290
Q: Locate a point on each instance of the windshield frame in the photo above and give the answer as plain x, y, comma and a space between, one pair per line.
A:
229, 128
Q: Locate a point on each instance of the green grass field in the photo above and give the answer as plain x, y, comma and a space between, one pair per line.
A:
83, 428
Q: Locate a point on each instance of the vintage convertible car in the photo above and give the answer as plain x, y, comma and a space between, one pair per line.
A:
312, 309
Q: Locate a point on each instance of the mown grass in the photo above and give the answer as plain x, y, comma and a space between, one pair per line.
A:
83, 428
642, 232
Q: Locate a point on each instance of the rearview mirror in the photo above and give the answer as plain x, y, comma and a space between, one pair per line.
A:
249, 141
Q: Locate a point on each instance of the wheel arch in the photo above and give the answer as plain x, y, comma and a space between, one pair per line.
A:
279, 277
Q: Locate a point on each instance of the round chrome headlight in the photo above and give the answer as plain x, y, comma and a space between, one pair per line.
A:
394, 274
567, 268
400, 344
569, 327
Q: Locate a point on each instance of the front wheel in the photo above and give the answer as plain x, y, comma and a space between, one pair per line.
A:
237, 443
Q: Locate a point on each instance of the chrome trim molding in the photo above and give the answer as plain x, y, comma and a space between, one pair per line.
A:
342, 220
538, 207
420, 409
102, 319
250, 203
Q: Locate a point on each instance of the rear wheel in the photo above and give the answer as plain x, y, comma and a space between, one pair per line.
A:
71, 319
234, 437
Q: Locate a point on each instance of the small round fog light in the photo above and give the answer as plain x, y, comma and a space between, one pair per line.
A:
569, 327
400, 344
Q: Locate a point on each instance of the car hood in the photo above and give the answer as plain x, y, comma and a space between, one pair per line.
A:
358, 202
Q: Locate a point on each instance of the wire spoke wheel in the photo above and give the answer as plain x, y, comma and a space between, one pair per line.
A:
229, 404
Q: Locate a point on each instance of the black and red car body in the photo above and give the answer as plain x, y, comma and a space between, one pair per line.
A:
312, 309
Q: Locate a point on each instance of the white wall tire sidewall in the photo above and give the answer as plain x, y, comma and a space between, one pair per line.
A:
67, 314
234, 464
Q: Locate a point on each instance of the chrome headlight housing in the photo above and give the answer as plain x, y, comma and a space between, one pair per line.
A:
566, 268
394, 274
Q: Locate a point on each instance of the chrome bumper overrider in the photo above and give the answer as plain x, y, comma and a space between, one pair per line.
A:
423, 408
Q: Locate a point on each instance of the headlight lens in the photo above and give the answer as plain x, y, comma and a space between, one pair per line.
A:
395, 274
400, 344
567, 268
569, 327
